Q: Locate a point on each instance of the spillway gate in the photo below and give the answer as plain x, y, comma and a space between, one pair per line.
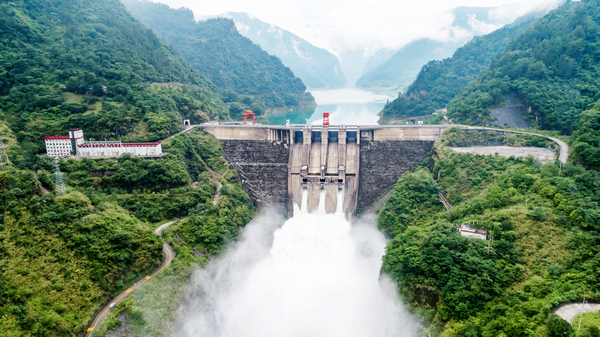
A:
276, 163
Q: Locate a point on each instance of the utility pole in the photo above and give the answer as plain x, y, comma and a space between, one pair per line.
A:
4, 161
581, 316
560, 169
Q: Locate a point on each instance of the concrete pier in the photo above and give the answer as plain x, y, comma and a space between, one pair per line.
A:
278, 162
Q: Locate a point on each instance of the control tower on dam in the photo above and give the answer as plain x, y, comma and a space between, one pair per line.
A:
276, 163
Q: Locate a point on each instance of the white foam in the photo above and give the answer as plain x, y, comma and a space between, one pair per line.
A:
316, 276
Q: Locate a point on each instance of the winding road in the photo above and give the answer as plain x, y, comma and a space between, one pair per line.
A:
44, 190
101, 315
569, 312
564, 148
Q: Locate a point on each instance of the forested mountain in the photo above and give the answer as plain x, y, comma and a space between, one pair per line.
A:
439, 81
229, 59
90, 64
552, 68
55, 58
317, 67
400, 70
543, 218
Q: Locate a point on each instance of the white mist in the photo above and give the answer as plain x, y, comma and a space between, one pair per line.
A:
316, 276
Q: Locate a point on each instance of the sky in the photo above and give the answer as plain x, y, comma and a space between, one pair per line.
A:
344, 25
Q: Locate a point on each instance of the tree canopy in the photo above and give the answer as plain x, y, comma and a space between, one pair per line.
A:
439, 81
90, 64
230, 60
552, 68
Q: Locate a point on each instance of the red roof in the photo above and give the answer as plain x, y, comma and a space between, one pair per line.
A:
141, 143
57, 137
115, 145
75, 130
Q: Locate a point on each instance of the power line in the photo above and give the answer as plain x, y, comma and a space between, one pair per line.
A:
60, 188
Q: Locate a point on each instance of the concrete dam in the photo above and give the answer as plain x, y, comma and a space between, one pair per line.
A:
276, 163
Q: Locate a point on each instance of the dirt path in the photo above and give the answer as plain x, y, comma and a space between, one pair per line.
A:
44, 190
99, 318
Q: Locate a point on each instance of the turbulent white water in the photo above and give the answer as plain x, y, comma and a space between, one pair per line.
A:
316, 276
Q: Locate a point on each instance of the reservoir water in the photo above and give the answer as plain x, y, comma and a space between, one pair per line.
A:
346, 106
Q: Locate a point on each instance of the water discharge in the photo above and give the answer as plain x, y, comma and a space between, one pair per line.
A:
316, 276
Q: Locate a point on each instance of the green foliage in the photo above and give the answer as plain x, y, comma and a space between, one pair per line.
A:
544, 222
51, 52
586, 139
439, 81
552, 68
127, 173
230, 60
558, 327
63, 258
457, 137
415, 196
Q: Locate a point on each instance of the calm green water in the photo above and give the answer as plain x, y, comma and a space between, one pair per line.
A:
346, 106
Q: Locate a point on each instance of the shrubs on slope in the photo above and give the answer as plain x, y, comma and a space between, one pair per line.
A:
552, 68
67, 64
544, 223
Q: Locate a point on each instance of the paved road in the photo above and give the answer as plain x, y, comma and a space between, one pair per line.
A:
568, 312
564, 148
99, 318
543, 154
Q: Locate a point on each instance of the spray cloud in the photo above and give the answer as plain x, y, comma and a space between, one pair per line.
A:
316, 276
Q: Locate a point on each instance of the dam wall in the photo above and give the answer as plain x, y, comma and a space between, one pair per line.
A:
276, 164
262, 167
382, 163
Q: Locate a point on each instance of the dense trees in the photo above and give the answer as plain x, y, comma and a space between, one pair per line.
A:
552, 68
586, 139
439, 81
62, 258
229, 59
544, 223
67, 64
68, 254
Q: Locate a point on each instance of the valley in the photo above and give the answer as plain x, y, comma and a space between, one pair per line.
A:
298, 176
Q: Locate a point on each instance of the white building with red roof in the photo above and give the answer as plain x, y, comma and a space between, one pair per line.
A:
470, 232
75, 145
60, 146
117, 149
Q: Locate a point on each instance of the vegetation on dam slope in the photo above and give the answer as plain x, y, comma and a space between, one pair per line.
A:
544, 223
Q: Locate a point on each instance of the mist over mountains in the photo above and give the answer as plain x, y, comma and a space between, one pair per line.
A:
394, 70
317, 67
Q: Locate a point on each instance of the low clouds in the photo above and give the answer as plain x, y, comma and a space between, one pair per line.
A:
343, 25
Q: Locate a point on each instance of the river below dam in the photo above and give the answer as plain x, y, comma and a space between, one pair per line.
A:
314, 275
346, 106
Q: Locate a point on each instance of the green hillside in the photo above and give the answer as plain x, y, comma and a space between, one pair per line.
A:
544, 223
439, 81
552, 68
52, 52
230, 60
64, 257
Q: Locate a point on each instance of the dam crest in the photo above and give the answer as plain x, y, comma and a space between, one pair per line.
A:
276, 164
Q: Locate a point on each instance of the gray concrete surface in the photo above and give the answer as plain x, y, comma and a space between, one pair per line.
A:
570, 311
564, 148
511, 113
542, 154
